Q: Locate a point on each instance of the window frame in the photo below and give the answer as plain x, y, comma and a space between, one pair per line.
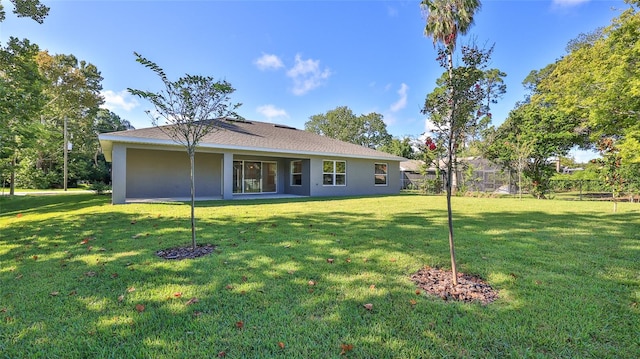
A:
242, 181
294, 173
334, 174
384, 175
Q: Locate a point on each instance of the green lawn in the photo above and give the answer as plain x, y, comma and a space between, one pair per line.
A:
79, 278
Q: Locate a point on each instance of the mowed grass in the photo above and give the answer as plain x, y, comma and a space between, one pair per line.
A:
79, 278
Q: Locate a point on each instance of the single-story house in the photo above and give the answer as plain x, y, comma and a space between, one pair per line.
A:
245, 157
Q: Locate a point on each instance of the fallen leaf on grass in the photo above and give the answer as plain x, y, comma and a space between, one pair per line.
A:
330, 260
348, 260
120, 298
3, 310
222, 354
85, 241
53, 294
413, 302
19, 276
345, 348
239, 325
177, 294
228, 287
35, 258
140, 308
281, 345
73, 292
133, 222
372, 287
311, 283
197, 313
418, 292
114, 275
393, 259
368, 306
19, 215
131, 289
90, 274
192, 301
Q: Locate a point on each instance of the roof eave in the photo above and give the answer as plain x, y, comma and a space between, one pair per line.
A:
106, 141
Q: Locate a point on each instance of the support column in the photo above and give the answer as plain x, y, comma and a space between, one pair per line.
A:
227, 176
118, 174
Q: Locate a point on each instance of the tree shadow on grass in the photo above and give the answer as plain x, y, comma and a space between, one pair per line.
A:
271, 274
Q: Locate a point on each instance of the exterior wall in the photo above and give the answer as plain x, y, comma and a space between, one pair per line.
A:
141, 171
162, 174
360, 178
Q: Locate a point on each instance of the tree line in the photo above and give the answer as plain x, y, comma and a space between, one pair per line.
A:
50, 114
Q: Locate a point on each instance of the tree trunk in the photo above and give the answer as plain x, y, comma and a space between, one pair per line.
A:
65, 155
452, 250
12, 178
450, 169
193, 198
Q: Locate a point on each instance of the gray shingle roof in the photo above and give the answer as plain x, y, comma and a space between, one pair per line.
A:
253, 136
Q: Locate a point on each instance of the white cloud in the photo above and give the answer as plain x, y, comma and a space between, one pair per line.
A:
568, 3
307, 75
270, 111
268, 62
119, 100
402, 101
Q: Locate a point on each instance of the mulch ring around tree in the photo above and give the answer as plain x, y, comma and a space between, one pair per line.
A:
439, 283
186, 252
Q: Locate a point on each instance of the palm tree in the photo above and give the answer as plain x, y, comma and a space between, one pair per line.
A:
446, 19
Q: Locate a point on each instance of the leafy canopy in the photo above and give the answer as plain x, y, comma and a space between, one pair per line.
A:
342, 124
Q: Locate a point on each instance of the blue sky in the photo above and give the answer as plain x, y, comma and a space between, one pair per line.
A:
289, 60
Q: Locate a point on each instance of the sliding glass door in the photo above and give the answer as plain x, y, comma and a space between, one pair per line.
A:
254, 177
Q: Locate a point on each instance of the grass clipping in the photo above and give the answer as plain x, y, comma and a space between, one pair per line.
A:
470, 288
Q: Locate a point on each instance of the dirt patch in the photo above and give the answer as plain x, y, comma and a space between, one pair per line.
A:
187, 252
470, 288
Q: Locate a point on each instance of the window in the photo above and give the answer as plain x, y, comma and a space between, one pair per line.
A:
380, 174
296, 173
254, 177
334, 173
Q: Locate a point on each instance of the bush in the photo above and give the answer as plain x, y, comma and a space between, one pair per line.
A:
99, 187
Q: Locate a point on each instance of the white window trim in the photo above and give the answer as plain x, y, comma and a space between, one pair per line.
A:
295, 173
334, 173
386, 175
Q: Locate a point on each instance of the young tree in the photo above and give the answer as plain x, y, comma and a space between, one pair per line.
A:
192, 106
446, 19
538, 133
464, 93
